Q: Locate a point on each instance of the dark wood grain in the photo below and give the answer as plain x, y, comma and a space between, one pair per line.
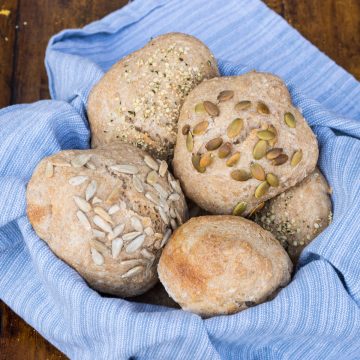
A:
332, 25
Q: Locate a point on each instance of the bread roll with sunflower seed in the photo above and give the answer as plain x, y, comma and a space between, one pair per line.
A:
217, 265
106, 212
240, 142
139, 98
299, 214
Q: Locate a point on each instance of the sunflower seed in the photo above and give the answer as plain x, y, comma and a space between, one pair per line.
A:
98, 234
257, 171
174, 197
90, 190
173, 224
96, 200
262, 108
134, 271
214, 144
163, 216
172, 213
147, 254
166, 237
60, 163
151, 163
97, 257
116, 231
83, 220
137, 184
125, 169
152, 197
131, 235
189, 142
176, 186
224, 150
122, 205
235, 128
240, 175
262, 189
185, 129
281, 159
136, 224
239, 208
114, 209
233, 159
80, 160
161, 191
149, 231
296, 158
225, 95
102, 224
165, 206
152, 177
82, 204
49, 170
272, 179
78, 180
289, 119
211, 108
200, 128
195, 159
259, 150
116, 246
273, 153
103, 214
113, 196
132, 262
205, 160
199, 108
135, 244
242, 105
178, 217
99, 246
163, 168
265, 135
90, 165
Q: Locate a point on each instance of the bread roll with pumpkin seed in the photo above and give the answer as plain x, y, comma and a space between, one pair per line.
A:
241, 142
106, 212
299, 214
138, 100
217, 265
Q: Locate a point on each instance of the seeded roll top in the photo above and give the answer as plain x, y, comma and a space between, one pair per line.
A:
106, 212
243, 141
139, 98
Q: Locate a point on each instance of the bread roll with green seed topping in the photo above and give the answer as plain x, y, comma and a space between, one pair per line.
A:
241, 142
217, 265
299, 214
139, 98
106, 212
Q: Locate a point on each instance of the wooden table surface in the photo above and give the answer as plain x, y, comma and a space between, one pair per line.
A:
332, 25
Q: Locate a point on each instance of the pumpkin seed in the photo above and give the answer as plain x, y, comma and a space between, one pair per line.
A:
273, 141
257, 208
224, 150
189, 142
200, 128
289, 119
211, 108
273, 153
195, 159
235, 128
205, 160
281, 159
239, 208
199, 108
225, 95
272, 179
265, 135
259, 149
262, 189
242, 105
262, 108
296, 158
233, 159
214, 144
185, 129
257, 171
240, 175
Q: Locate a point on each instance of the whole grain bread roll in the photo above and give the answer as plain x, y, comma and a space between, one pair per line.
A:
299, 214
240, 142
139, 98
215, 265
106, 212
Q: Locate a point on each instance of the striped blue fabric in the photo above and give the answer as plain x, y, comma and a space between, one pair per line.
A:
317, 316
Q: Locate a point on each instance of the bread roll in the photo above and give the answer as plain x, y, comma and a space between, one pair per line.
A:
299, 214
215, 265
240, 142
139, 98
107, 213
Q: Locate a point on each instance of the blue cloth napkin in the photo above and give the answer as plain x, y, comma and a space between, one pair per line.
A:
317, 316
